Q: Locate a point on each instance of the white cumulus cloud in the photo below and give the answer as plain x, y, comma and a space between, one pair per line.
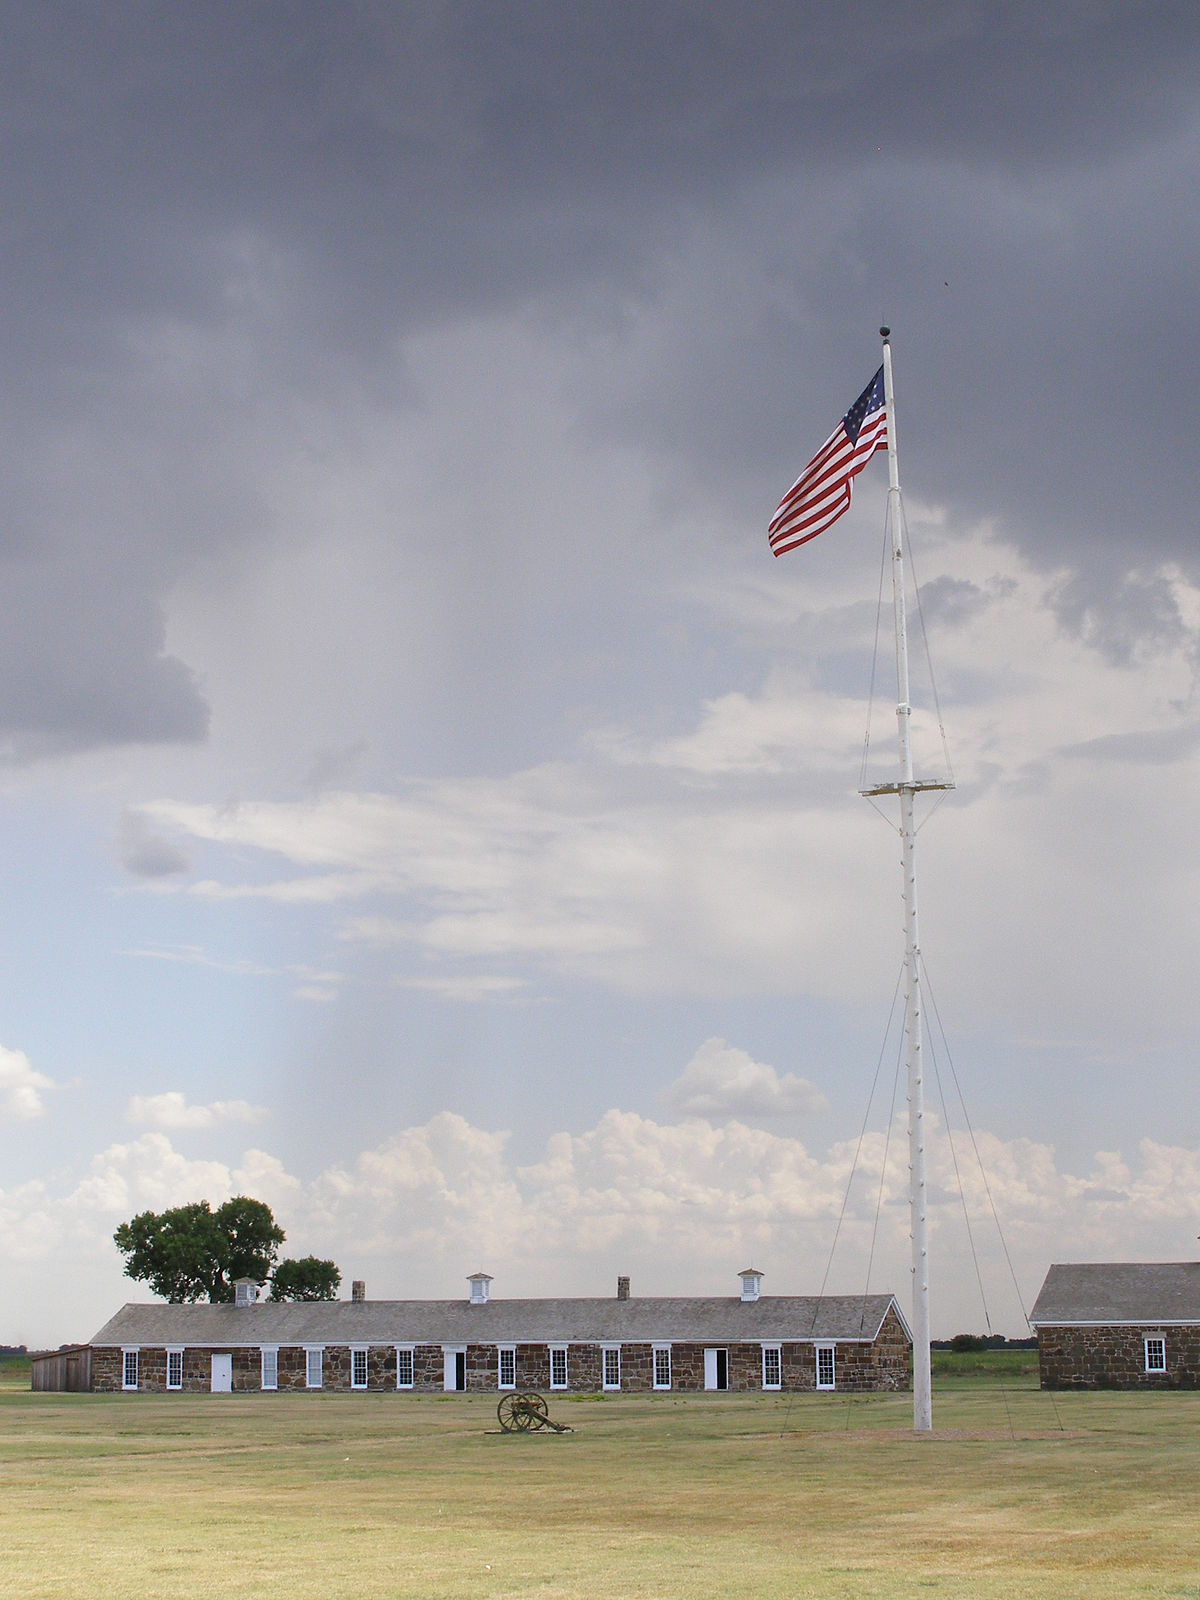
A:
171, 1110
722, 1081
680, 1206
20, 1087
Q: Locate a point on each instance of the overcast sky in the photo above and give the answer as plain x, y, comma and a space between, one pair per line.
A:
429, 807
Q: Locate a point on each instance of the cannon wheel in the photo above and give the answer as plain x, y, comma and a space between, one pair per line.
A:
518, 1413
512, 1417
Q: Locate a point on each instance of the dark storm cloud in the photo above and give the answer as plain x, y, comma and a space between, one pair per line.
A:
1163, 747
415, 160
210, 210
955, 601
101, 676
1139, 612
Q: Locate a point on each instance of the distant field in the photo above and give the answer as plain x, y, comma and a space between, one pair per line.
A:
14, 1372
1002, 1366
717, 1497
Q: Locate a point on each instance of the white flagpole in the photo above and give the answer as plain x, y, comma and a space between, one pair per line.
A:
906, 787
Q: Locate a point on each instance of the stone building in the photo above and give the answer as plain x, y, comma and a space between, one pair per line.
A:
745, 1342
1119, 1326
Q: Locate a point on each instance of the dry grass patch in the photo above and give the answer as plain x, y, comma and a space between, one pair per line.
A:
701, 1496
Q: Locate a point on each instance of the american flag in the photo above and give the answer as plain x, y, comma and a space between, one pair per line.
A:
822, 491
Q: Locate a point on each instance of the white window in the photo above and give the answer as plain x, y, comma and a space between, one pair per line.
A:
558, 1366
314, 1366
270, 1366
506, 1367
404, 1366
612, 1366
129, 1369
825, 1368
1156, 1352
662, 1366
772, 1367
358, 1366
175, 1367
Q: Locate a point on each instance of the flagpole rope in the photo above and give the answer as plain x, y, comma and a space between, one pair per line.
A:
962, 1200
887, 1143
866, 755
883, 1166
937, 702
987, 1188
862, 1133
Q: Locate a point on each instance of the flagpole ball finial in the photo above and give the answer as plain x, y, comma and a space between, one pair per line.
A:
884, 332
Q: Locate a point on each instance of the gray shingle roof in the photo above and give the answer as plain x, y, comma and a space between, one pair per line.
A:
1123, 1291
712, 1320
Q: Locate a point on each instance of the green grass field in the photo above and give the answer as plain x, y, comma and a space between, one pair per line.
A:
1016, 1494
14, 1372
1002, 1366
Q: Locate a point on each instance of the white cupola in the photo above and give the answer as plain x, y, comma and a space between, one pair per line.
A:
751, 1283
480, 1287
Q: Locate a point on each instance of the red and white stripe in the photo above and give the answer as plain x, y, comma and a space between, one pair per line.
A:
822, 491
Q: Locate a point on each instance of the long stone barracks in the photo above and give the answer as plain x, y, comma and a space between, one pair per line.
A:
748, 1341
1121, 1325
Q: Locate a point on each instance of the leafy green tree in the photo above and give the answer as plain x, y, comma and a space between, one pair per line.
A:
252, 1240
194, 1253
305, 1279
967, 1343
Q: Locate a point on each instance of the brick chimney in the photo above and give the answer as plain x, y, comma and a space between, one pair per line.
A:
358, 1291
622, 1288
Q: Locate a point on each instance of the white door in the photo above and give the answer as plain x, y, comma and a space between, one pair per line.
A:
454, 1362
222, 1374
716, 1369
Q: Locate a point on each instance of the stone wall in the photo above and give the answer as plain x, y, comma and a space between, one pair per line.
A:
533, 1366
292, 1368
1115, 1358
106, 1370
427, 1366
637, 1367
687, 1366
884, 1365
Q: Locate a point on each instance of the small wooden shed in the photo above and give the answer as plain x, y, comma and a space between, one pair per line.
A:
67, 1370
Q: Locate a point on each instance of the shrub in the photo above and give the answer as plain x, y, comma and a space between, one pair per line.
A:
967, 1342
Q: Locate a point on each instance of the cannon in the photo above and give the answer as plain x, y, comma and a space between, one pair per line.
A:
522, 1413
